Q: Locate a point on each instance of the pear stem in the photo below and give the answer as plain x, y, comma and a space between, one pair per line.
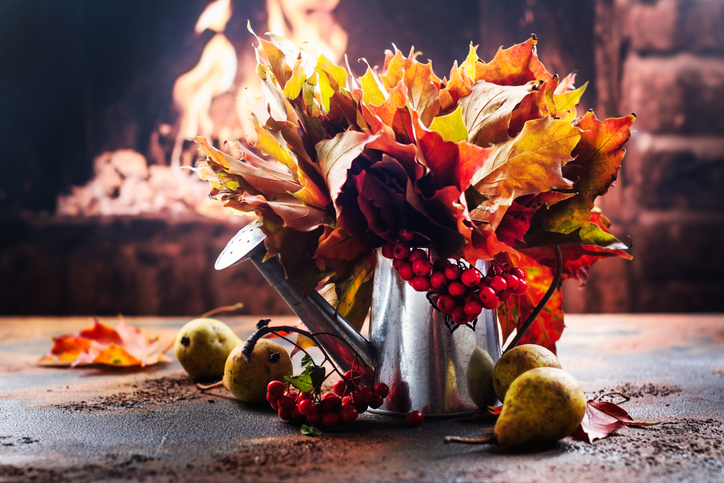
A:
457, 439
224, 308
201, 387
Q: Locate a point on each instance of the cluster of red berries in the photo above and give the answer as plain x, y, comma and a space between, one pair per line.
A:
347, 400
455, 288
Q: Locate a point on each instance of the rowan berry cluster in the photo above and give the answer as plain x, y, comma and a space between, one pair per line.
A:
341, 406
454, 287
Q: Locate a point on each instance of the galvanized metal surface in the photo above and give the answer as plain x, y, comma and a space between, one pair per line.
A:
151, 424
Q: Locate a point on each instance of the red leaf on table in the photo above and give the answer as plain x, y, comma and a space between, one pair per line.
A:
123, 346
603, 418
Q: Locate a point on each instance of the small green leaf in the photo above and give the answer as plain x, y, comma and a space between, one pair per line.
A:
317, 375
307, 361
311, 431
303, 382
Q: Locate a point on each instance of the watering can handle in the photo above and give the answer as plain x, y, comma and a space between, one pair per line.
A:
539, 308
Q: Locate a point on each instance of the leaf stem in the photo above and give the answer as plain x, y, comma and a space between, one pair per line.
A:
539, 308
456, 439
224, 308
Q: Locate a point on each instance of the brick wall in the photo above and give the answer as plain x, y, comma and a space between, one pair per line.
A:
664, 60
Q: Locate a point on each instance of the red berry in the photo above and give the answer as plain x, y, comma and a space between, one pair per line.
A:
307, 407
438, 280
275, 389
495, 270
304, 395
521, 288
348, 414
512, 281
331, 405
473, 308
470, 277
286, 402
406, 272
503, 296
330, 420
406, 235
291, 393
487, 295
401, 251
273, 401
376, 401
518, 272
346, 400
340, 388
498, 284
446, 304
452, 271
492, 304
296, 415
314, 418
361, 407
388, 250
382, 389
284, 414
359, 397
422, 267
420, 284
367, 391
417, 254
414, 418
459, 316
353, 376
397, 263
457, 289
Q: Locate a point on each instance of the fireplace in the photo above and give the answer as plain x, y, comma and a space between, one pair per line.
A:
96, 217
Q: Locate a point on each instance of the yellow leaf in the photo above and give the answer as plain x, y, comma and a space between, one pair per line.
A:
569, 100
529, 163
268, 144
372, 90
296, 81
451, 126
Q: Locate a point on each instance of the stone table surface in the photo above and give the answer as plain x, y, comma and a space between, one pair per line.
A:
151, 424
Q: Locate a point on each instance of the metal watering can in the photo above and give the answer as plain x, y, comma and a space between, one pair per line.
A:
410, 348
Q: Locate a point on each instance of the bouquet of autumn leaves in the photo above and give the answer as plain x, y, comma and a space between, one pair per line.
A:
490, 163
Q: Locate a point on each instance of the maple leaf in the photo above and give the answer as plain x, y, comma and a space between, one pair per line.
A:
514, 66
488, 109
123, 346
419, 79
603, 418
598, 159
530, 163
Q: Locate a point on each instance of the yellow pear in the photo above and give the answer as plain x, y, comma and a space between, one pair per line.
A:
202, 347
248, 381
517, 361
541, 406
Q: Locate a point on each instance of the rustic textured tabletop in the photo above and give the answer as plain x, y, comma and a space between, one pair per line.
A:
90, 424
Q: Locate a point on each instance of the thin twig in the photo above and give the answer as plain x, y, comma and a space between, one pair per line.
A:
224, 308
457, 439
539, 308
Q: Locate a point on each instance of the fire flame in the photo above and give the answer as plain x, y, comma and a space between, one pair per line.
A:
212, 76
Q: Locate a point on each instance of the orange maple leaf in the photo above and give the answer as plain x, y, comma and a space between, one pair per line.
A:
123, 346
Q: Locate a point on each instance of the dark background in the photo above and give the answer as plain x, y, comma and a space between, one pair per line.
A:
83, 77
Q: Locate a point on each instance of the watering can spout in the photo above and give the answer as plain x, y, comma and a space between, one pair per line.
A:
344, 345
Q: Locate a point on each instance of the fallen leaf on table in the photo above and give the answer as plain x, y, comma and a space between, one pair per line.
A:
603, 418
123, 346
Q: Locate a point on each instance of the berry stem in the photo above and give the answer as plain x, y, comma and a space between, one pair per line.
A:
539, 308
224, 308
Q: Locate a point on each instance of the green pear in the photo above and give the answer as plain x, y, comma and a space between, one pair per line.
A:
480, 378
517, 361
202, 347
248, 380
541, 406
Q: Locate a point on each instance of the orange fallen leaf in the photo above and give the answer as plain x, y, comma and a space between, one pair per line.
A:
123, 346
